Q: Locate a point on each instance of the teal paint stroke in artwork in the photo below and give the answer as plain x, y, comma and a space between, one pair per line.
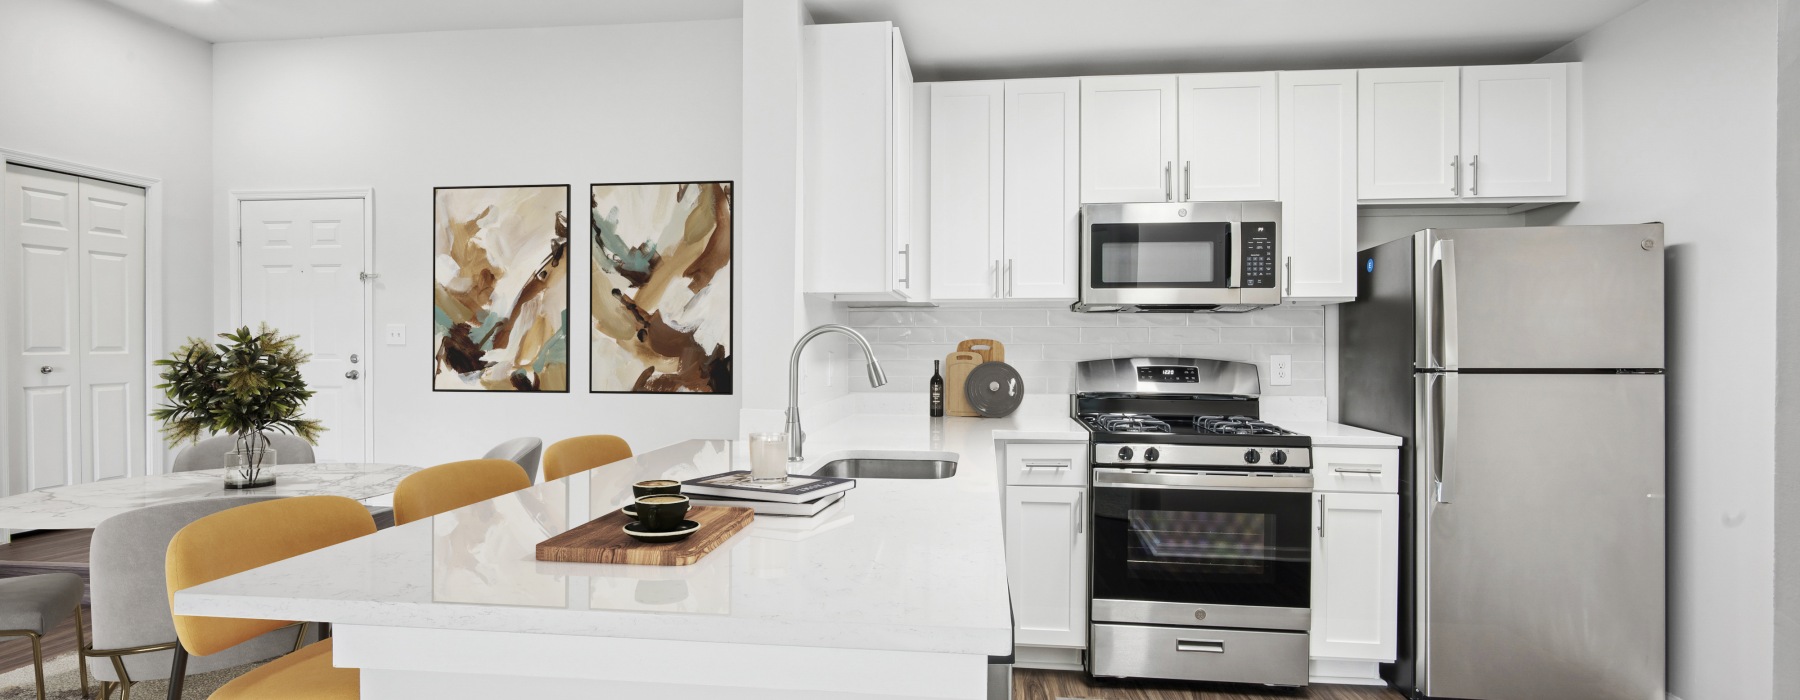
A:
621, 258
557, 347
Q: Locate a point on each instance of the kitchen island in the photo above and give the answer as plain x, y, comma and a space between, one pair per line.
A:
899, 590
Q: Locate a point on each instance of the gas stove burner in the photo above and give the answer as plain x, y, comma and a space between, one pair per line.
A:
1236, 425
1131, 423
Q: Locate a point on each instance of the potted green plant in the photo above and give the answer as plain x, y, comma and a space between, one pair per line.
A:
246, 386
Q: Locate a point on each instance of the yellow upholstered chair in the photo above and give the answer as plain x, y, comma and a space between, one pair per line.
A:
579, 454
446, 487
243, 538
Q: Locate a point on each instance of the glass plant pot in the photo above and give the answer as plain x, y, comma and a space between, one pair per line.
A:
250, 470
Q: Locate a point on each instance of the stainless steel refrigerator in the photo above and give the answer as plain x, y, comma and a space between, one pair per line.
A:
1524, 368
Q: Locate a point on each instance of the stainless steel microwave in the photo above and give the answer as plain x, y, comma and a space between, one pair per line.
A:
1180, 257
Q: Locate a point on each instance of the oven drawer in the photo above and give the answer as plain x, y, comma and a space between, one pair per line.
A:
1363, 469
1046, 464
1199, 654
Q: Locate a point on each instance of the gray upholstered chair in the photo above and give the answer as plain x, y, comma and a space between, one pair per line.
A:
134, 632
210, 453
31, 605
523, 451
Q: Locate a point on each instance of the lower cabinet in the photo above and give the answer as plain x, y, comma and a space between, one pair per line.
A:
1355, 575
1046, 564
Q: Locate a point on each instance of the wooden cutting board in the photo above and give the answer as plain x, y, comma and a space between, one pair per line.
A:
957, 366
603, 539
989, 349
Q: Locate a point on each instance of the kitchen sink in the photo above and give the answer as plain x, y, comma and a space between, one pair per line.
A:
877, 468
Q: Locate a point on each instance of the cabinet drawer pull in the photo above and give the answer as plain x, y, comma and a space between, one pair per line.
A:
1357, 470
1210, 646
1047, 464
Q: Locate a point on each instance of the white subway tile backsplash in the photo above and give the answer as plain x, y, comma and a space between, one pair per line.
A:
1014, 317
1188, 334
1256, 334
1115, 335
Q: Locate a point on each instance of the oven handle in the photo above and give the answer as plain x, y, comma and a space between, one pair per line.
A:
1127, 478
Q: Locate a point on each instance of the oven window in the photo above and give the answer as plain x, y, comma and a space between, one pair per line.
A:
1216, 547
1160, 255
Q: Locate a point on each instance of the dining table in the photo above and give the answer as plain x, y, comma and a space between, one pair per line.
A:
83, 506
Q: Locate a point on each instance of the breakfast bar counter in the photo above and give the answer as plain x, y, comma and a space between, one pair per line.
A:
898, 590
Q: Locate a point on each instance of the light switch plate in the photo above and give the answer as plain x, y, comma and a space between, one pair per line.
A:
396, 334
1281, 370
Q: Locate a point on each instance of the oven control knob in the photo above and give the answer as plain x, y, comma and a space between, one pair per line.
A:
1151, 454
1124, 454
1280, 457
1252, 456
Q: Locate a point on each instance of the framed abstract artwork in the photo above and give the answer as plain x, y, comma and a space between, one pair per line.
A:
500, 294
660, 294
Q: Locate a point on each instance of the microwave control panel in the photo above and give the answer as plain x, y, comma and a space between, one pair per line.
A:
1258, 255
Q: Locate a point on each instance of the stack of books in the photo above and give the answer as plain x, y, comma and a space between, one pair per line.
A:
799, 495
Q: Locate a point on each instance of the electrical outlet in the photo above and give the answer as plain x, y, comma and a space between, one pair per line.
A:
1281, 370
396, 334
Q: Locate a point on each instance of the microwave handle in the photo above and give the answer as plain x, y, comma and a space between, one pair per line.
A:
1237, 256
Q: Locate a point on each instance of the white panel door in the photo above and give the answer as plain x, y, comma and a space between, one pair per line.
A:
1042, 182
1515, 130
1355, 574
1046, 564
967, 193
1318, 184
43, 302
1128, 139
1228, 146
111, 339
1408, 124
301, 264
903, 281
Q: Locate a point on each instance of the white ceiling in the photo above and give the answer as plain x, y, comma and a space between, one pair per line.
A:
969, 39
259, 20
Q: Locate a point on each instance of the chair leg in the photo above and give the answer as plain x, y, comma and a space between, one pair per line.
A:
81, 651
37, 663
177, 673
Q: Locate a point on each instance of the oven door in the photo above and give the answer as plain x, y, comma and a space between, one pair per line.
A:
1189, 548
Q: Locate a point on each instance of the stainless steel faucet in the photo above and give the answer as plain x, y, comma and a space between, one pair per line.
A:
796, 436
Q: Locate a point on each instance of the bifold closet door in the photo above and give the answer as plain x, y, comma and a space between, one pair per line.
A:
73, 259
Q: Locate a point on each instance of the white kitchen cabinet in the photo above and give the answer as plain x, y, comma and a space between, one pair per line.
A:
1408, 132
1128, 137
1355, 576
858, 153
1318, 184
1043, 180
967, 189
1515, 130
1227, 134
1046, 564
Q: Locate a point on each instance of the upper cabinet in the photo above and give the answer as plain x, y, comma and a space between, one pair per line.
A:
1318, 185
1228, 137
858, 146
1004, 189
1128, 139
1475, 133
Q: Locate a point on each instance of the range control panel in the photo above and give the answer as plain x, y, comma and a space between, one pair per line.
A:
1258, 255
1174, 375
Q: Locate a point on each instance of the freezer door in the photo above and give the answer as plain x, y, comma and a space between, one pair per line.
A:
1552, 297
1543, 509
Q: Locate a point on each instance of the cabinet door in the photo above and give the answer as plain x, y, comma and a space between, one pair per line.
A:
849, 168
1042, 184
1227, 136
1355, 574
1318, 184
1046, 564
900, 245
966, 189
1515, 130
1408, 133
1128, 139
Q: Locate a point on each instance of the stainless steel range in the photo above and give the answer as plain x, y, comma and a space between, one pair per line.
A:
1202, 524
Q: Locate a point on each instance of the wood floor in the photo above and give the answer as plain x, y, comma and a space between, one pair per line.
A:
1032, 684
43, 552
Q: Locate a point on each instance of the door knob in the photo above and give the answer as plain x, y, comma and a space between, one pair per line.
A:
352, 374
46, 369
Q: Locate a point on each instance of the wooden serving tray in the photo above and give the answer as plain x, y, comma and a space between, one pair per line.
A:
603, 539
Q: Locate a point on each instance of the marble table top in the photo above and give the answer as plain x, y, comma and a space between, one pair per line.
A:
84, 505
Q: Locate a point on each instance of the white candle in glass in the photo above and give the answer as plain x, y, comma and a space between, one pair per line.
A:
768, 456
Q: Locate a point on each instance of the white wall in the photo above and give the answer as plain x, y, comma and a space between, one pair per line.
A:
1787, 416
405, 113
1680, 100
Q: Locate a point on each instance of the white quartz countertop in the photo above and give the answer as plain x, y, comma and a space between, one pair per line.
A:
82, 506
1339, 435
909, 565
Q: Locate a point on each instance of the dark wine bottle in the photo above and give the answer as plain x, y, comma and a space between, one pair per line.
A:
937, 391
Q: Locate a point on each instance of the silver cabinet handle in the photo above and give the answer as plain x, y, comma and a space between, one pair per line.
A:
1357, 470
1168, 187
906, 278
1447, 445
1046, 464
1455, 174
46, 369
352, 374
1475, 174
996, 292
1287, 275
1080, 522
1321, 516
1187, 181
1009, 278
1210, 646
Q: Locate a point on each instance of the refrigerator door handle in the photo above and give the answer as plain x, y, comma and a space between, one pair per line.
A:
1446, 474
1444, 257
